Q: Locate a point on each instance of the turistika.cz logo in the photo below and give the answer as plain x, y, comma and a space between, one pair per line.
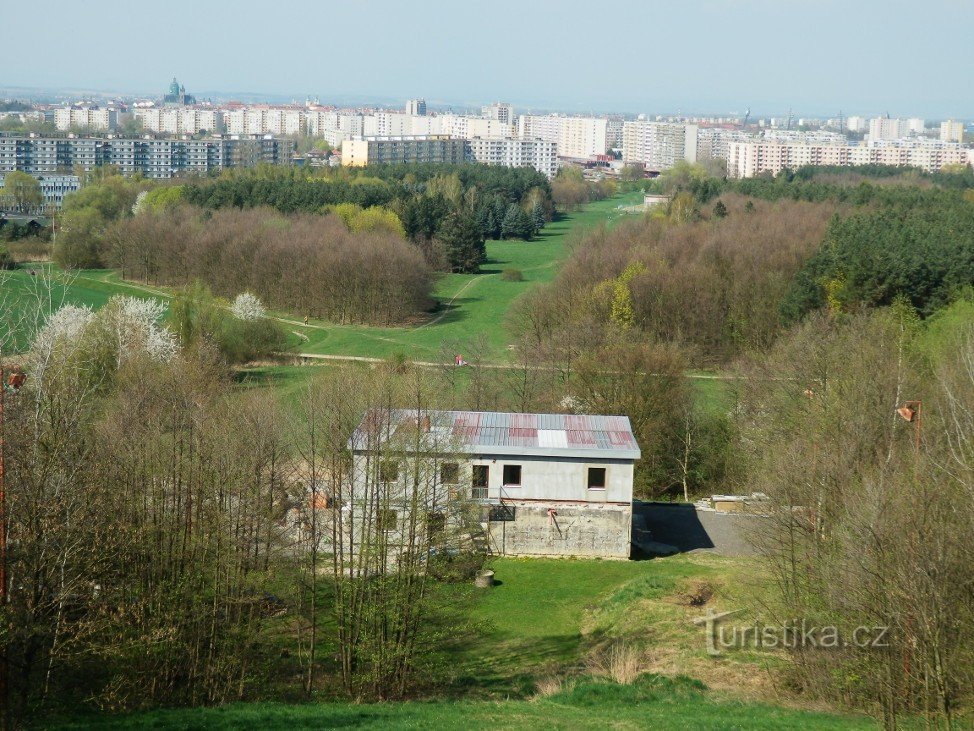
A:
797, 634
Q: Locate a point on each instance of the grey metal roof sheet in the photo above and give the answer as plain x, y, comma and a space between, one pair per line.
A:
502, 433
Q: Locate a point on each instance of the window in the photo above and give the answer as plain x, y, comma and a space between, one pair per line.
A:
388, 470
435, 525
481, 473
512, 475
449, 473
502, 513
596, 478
385, 520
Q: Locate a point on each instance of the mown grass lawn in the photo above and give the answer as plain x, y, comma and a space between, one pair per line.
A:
472, 306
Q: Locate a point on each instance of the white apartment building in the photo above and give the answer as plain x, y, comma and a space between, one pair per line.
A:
885, 128
335, 127
712, 142
499, 112
658, 145
857, 124
467, 128
264, 120
513, 153
916, 126
576, 137
748, 159
180, 120
951, 131
67, 118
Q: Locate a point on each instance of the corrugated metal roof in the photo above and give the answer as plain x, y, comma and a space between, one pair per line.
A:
499, 433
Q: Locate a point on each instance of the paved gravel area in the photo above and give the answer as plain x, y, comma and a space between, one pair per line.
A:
692, 529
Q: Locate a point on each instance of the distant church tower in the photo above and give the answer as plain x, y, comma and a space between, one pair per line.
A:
177, 95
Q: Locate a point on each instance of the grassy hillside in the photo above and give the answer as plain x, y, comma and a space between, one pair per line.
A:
532, 660
653, 703
472, 305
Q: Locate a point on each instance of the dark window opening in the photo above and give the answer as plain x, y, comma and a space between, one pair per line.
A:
386, 520
512, 475
481, 473
501, 513
435, 525
596, 478
449, 473
388, 470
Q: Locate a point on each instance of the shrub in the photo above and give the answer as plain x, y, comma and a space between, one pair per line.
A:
512, 275
6, 260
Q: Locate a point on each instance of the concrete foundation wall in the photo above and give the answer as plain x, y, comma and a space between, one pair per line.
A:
575, 530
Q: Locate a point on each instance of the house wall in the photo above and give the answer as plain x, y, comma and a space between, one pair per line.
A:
558, 479
584, 522
592, 530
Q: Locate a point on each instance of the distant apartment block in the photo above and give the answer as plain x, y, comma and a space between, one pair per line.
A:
156, 159
416, 106
583, 137
502, 151
54, 188
951, 131
748, 159
499, 112
513, 153
67, 118
335, 127
403, 149
577, 137
180, 121
264, 121
885, 128
658, 145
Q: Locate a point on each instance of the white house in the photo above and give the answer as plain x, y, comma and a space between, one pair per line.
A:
544, 484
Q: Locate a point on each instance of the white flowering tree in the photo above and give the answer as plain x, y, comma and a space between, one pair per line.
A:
248, 307
123, 328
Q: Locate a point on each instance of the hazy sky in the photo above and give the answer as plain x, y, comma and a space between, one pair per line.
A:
813, 56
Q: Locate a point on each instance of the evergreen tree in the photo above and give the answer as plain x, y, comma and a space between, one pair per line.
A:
537, 217
720, 210
516, 223
464, 242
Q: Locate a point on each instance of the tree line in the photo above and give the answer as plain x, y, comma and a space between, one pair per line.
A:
303, 264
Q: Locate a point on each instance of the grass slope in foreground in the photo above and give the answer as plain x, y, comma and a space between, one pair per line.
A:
543, 620
651, 703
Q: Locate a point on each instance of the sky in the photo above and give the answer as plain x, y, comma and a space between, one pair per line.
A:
906, 58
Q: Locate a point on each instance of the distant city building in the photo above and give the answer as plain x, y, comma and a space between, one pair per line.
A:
156, 159
951, 131
885, 128
658, 145
513, 153
916, 126
403, 149
179, 121
264, 120
54, 188
748, 159
577, 137
498, 111
90, 118
177, 95
857, 124
417, 107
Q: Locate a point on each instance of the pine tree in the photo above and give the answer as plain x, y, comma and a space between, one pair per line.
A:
720, 210
537, 217
516, 224
464, 242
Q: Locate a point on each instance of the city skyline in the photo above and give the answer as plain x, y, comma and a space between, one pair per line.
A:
641, 57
